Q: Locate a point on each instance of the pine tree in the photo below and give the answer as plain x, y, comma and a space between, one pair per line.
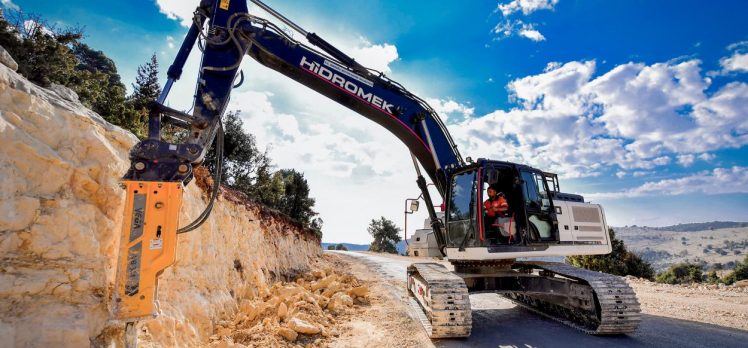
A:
145, 90
295, 201
146, 87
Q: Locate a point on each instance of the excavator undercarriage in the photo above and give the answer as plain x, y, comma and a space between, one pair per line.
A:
596, 303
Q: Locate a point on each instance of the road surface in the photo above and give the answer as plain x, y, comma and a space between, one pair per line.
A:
498, 322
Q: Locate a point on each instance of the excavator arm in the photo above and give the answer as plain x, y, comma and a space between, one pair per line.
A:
225, 32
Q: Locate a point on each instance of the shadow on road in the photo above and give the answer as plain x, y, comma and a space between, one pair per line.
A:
516, 327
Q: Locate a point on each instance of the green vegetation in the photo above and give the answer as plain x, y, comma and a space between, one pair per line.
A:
739, 273
249, 170
341, 247
619, 262
682, 273
712, 278
386, 235
686, 273
49, 55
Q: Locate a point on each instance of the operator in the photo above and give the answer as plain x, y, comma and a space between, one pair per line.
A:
495, 205
497, 215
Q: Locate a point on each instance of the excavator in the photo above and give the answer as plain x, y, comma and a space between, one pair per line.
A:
486, 253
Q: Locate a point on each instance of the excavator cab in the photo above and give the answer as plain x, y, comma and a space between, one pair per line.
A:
530, 217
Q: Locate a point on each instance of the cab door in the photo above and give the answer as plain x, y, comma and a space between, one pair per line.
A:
462, 209
541, 218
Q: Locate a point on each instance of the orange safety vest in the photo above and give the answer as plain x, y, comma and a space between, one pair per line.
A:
495, 207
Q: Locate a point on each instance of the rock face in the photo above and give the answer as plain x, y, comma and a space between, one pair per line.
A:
61, 210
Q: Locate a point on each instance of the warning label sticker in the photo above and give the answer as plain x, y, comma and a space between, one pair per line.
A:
156, 244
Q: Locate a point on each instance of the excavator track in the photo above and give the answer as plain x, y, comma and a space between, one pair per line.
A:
442, 300
617, 310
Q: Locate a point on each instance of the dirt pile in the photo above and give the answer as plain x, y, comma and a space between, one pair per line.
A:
305, 311
61, 212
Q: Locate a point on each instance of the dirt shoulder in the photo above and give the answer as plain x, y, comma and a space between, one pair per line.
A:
385, 322
724, 306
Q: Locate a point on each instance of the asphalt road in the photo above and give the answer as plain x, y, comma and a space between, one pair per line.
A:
498, 322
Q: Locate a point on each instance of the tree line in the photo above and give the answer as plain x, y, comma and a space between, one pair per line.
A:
48, 54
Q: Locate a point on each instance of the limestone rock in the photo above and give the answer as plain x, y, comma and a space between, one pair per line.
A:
7, 60
331, 289
61, 213
339, 301
323, 283
282, 311
18, 212
64, 92
288, 334
302, 326
287, 292
360, 291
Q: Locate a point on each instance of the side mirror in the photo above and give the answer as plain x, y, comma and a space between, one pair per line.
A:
414, 206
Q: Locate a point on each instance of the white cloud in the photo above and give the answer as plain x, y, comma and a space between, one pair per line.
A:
450, 110
517, 27
510, 26
531, 34
377, 57
738, 62
633, 117
686, 160
526, 6
180, 10
717, 181
10, 5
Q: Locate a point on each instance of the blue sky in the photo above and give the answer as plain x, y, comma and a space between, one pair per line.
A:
640, 105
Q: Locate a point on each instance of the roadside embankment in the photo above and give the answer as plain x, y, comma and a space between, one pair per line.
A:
61, 210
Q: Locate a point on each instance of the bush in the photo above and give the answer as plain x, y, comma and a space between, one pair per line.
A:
739, 273
619, 262
682, 273
330, 247
712, 278
341, 247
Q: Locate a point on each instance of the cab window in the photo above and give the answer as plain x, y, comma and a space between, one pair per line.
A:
462, 208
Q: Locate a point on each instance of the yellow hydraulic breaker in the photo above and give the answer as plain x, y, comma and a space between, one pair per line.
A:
148, 245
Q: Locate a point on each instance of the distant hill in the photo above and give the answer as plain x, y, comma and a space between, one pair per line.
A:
691, 227
709, 244
401, 246
702, 226
349, 246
